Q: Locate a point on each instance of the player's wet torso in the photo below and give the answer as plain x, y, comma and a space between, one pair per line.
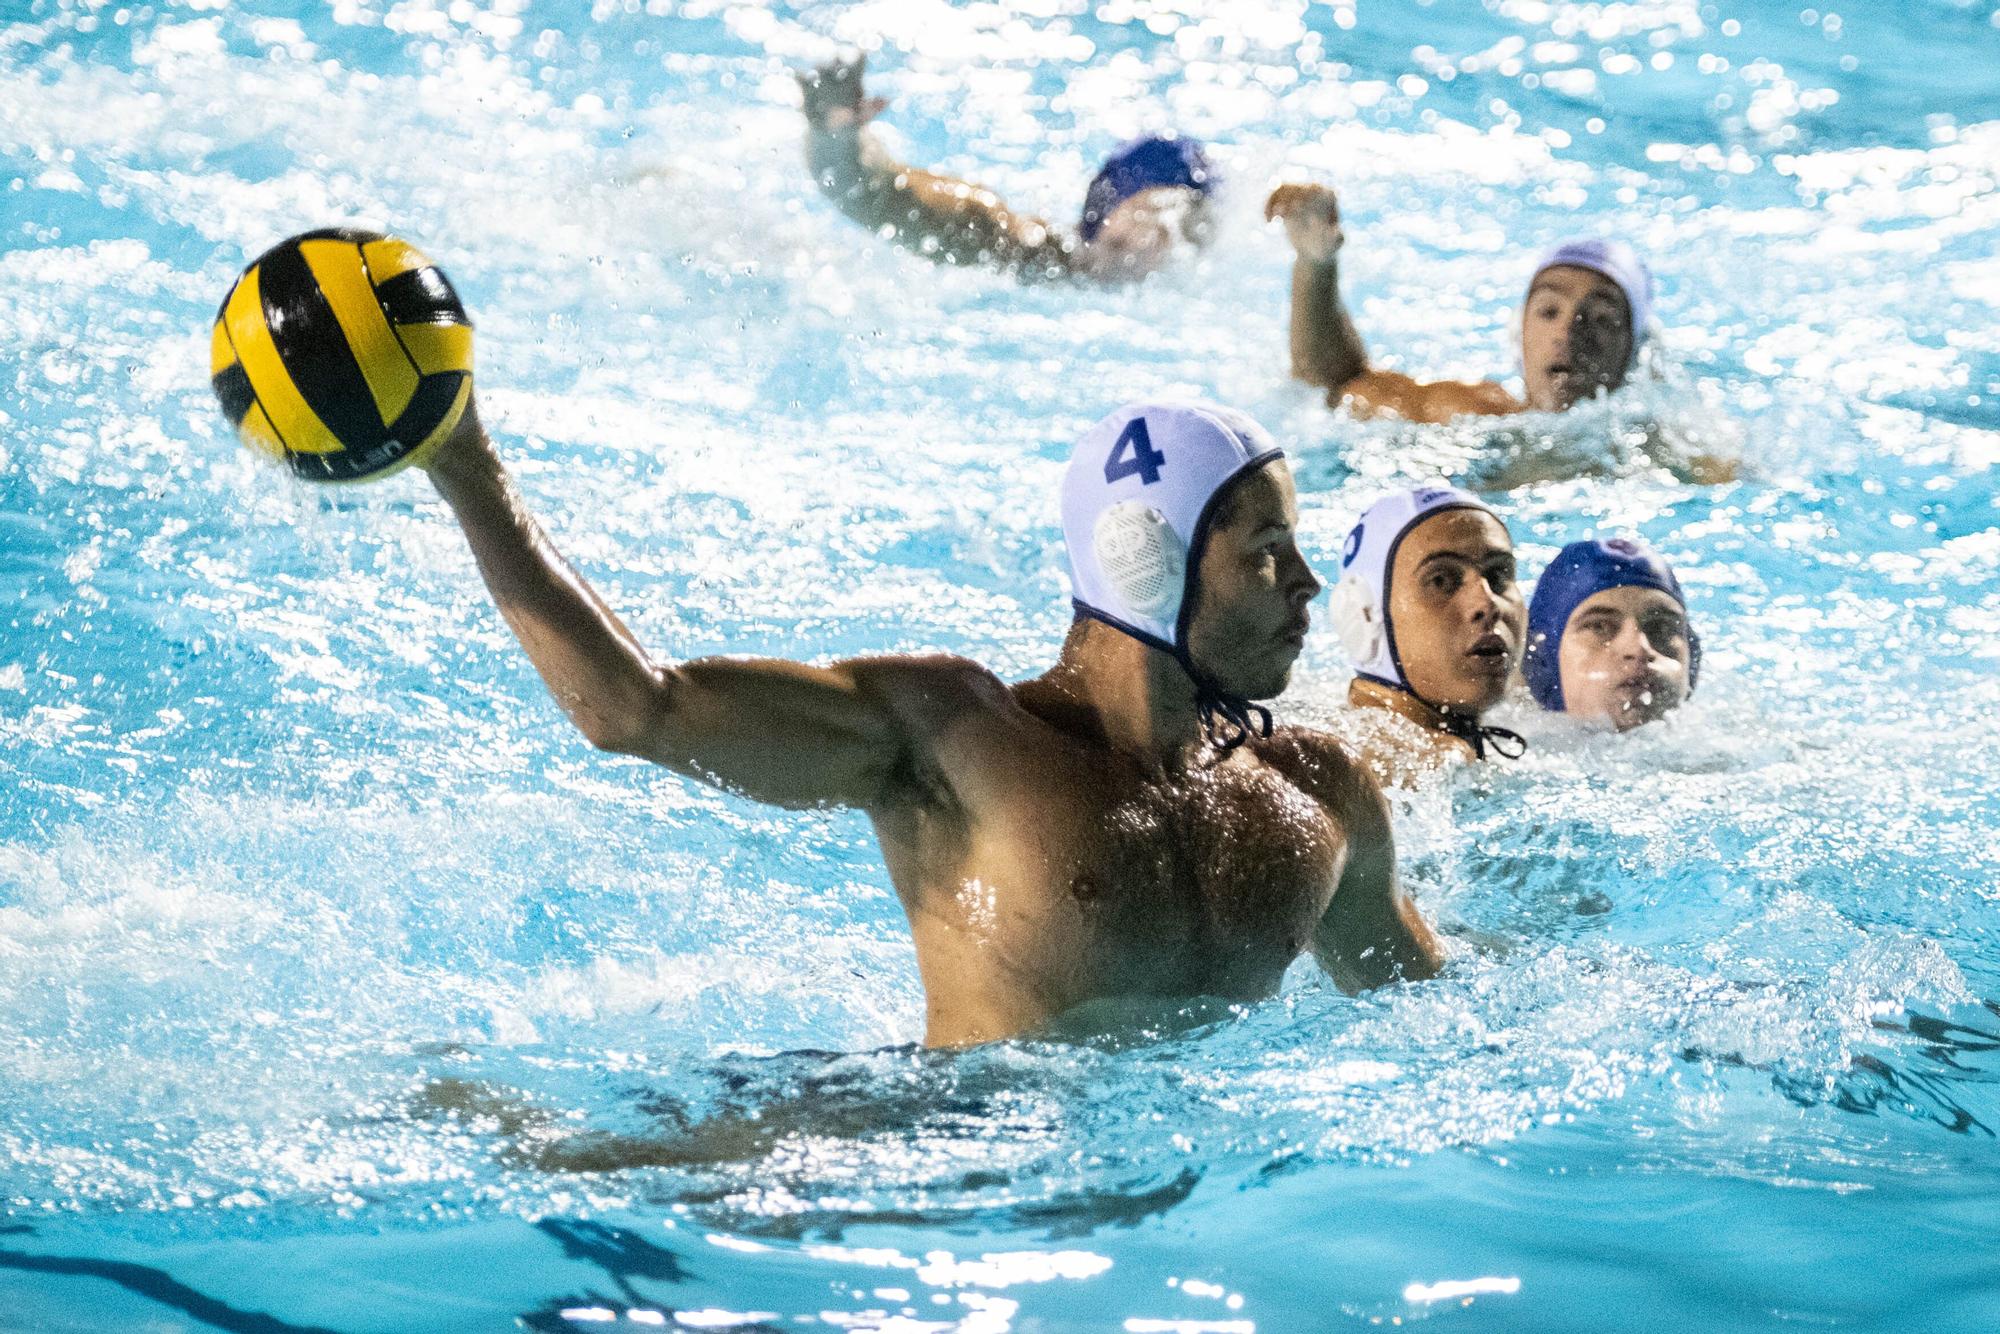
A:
1058, 873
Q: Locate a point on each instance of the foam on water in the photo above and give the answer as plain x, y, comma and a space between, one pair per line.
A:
335, 970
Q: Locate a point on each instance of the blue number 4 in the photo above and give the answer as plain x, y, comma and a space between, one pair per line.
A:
1134, 453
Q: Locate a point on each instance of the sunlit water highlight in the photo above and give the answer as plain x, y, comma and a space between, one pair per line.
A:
326, 946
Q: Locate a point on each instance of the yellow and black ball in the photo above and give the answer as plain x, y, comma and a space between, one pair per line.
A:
345, 353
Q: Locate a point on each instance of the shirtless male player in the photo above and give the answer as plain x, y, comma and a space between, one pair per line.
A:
1124, 827
1587, 310
1431, 617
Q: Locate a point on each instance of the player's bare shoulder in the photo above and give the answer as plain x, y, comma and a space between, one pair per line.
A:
1322, 766
931, 693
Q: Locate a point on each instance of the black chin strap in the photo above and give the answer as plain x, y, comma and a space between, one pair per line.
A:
1228, 720
1504, 741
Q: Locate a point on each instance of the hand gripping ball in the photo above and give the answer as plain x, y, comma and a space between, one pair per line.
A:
345, 353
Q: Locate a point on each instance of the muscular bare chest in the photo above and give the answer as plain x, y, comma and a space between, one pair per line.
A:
1210, 882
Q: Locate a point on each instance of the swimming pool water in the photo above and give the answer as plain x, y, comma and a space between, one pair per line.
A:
328, 950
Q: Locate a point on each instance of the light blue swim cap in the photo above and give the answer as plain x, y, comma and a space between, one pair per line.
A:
1615, 260
1136, 502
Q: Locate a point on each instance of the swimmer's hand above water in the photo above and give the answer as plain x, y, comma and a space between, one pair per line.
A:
940, 217
834, 101
1326, 347
1311, 214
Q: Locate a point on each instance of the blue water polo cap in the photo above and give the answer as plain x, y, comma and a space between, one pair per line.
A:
1580, 571
1615, 260
1147, 163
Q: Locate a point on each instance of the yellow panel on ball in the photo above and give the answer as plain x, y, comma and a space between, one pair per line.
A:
243, 318
391, 256
438, 347
346, 352
388, 369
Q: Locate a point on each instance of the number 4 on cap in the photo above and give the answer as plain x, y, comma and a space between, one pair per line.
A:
1134, 453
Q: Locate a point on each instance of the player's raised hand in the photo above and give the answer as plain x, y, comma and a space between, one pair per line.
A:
1311, 214
834, 99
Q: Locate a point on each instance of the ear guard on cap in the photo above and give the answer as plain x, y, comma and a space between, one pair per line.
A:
1356, 618
1142, 557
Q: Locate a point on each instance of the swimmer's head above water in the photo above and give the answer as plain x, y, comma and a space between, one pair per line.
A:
1429, 613
1179, 520
1149, 197
1587, 310
1608, 635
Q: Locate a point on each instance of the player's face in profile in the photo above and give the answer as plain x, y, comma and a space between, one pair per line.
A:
1139, 236
1576, 336
1250, 618
1456, 611
1625, 657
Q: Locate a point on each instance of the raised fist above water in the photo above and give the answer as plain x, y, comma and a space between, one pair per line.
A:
1311, 214
834, 101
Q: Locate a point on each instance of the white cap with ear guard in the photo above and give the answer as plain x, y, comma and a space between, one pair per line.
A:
1135, 504
1360, 599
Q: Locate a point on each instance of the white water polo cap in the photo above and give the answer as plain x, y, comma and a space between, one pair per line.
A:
1360, 599
1360, 603
1136, 503
1615, 260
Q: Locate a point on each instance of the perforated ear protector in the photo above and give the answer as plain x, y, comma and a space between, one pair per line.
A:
1356, 618
1143, 558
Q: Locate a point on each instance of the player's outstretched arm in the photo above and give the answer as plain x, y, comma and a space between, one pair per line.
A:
949, 220
782, 732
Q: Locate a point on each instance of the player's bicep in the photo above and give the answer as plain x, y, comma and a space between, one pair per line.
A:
851, 733
1446, 399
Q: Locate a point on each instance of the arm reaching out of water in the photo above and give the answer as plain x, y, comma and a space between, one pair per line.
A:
1326, 347
949, 220
780, 732
1371, 934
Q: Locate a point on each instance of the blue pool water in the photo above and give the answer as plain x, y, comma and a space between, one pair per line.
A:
317, 922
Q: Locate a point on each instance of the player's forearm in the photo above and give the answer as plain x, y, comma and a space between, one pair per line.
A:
1326, 347
1416, 951
852, 172
1393, 944
600, 675
952, 221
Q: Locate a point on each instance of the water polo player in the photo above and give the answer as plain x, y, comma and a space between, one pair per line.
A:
1150, 199
1430, 615
1608, 635
1587, 310
1126, 827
